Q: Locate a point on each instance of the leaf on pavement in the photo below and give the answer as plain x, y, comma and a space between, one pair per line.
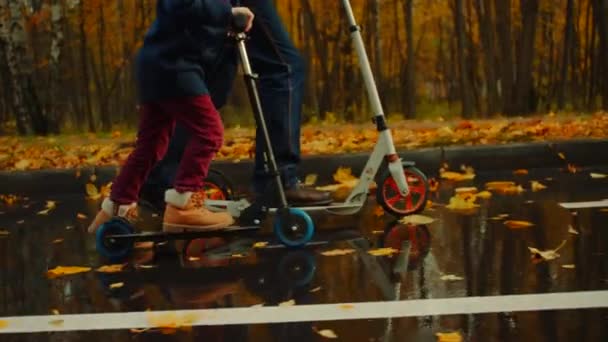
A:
520, 172
170, 322
462, 203
290, 302
451, 277
449, 337
598, 175
56, 322
573, 168
562, 156
23, 164
484, 195
92, 192
551, 254
327, 333
569, 266
81, 216
58, 241
316, 289
514, 224
378, 211
456, 176
571, 230
3, 324
261, 244
383, 251
537, 186
116, 285
466, 190
50, 205
60, 271
4, 233
417, 220
336, 252
116, 268
311, 179
499, 217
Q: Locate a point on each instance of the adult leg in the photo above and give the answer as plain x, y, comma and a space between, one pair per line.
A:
281, 71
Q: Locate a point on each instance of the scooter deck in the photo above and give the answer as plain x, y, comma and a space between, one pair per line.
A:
187, 235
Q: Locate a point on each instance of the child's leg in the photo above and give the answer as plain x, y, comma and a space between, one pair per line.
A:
155, 128
185, 209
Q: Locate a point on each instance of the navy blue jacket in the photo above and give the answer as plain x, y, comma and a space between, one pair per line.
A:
182, 49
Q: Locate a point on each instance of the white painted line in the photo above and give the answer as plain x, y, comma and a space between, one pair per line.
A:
581, 205
306, 313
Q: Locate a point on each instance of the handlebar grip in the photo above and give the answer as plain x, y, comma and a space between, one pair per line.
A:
239, 23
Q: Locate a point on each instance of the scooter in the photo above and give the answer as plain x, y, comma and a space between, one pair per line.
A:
294, 227
402, 188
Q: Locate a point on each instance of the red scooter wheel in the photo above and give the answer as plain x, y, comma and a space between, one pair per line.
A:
389, 197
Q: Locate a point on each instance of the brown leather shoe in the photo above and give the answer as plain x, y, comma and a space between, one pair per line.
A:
301, 195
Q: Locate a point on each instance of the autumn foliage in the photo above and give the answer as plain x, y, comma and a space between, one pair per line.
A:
90, 150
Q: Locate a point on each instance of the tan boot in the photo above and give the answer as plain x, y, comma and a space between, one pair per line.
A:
110, 210
186, 212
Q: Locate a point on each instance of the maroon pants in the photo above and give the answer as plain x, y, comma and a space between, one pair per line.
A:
199, 116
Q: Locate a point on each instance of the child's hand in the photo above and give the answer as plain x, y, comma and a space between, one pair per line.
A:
246, 12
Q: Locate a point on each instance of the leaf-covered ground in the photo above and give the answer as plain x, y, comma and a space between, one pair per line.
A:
32, 153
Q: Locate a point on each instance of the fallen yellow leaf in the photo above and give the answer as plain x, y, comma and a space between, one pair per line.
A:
569, 267
456, 176
383, 251
466, 190
378, 211
336, 252
3, 324
290, 302
50, 205
310, 180
56, 322
573, 168
92, 191
499, 217
484, 195
598, 175
58, 241
538, 255
460, 203
417, 220
4, 233
513, 224
116, 285
571, 230
327, 333
537, 186
65, 270
316, 289
449, 337
22, 164
451, 277
260, 244
55, 312
81, 216
93, 178
520, 172
170, 322
562, 156
111, 268
499, 185
346, 306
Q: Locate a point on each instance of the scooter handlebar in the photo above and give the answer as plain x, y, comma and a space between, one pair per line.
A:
239, 23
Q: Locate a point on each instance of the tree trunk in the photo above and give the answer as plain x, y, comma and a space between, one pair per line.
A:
486, 32
503, 29
525, 94
567, 55
85, 68
54, 108
13, 32
410, 71
465, 83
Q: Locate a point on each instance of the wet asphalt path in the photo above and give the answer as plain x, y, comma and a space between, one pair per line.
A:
484, 256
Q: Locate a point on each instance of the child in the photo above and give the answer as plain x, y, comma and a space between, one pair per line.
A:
183, 42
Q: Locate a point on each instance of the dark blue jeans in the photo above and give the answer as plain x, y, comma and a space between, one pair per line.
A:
281, 71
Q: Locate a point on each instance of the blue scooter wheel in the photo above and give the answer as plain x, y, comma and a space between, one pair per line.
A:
295, 230
297, 269
110, 248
